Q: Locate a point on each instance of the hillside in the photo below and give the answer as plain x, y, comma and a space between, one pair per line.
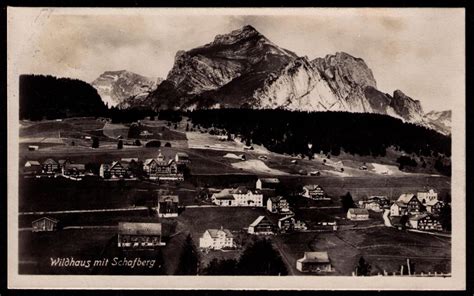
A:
48, 97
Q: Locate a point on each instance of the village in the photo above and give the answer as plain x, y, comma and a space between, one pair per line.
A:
266, 209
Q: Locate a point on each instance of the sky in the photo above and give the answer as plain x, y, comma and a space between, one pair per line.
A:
419, 51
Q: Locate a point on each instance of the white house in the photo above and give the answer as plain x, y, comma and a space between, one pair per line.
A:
398, 209
278, 204
356, 214
216, 239
427, 197
314, 192
239, 197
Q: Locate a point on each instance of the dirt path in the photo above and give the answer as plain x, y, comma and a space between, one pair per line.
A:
84, 211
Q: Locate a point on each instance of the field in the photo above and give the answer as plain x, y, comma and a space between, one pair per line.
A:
384, 248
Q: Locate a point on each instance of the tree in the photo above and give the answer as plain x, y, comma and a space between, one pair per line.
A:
137, 142
95, 142
347, 202
167, 144
260, 258
188, 263
363, 268
187, 127
120, 144
445, 216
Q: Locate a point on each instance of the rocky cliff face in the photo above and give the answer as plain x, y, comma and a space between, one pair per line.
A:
439, 120
245, 69
115, 87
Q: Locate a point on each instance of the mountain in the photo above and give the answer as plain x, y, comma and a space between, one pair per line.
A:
48, 97
439, 120
244, 69
115, 87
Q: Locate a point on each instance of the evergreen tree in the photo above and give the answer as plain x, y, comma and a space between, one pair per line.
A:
363, 268
260, 258
347, 202
95, 142
445, 217
188, 262
120, 144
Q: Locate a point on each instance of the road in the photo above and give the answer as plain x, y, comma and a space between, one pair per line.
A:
289, 265
84, 211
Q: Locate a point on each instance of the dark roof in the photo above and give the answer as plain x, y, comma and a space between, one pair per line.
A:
133, 228
214, 232
316, 257
270, 180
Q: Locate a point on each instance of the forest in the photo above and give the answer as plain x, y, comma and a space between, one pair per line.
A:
290, 132
48, 97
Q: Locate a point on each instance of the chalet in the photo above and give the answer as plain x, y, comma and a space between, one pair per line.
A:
261, 225
315, 192
241, 197
44, 224
139, 235
278, 204
50, 166
168, 206
114, 170
430, 201
182, 158
398, 209
289, 223
316, 262
160, 169
73, 169
267, 183
434, 207
216, 239
412, 202
356, 214
424, 222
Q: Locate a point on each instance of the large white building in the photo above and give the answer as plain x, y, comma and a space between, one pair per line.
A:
239, 197
216, 239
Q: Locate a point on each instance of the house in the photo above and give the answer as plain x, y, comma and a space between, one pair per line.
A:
33, 147
74, 169
216, 239
114, 170
289, 223
182, 158
261, 225
424, 222
139, 235
160, 169
327, 225
63, 162
44, 224
278, 204
434, 207
375, 203
356, 214
32, 163
398, 209
50, 166
317, 262
412, 202
267, 183
430, 201
168, 206
315, 192
241, 197
224, 198
427, 197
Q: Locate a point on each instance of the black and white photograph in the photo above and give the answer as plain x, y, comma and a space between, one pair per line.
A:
271, 148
